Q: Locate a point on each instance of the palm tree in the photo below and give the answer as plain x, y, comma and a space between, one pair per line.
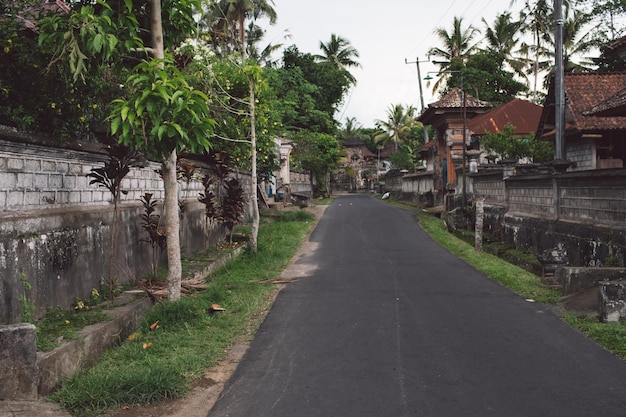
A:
457, 46
503, 40
254, 35
399, 122
538, 18
340, 53
226, 19
575, 43
352, 128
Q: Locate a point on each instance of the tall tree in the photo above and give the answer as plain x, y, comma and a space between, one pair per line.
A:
160, 113
227, 20
486, 79
226, 15
503, 42
310, 91
537, 18
610, 13
319, 154
399, 122
577, 43
339, 52
457, 47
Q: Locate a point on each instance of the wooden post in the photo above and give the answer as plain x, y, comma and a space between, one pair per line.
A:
480, 215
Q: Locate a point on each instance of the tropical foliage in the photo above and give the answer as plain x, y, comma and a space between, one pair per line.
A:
504, 145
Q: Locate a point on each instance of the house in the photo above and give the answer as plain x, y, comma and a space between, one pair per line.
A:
361, 160
445, 155
521, 114
595, 120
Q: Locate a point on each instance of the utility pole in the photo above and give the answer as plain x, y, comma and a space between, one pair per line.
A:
419, 81
559, 89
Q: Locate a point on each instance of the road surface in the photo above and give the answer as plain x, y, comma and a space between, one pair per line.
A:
383, 322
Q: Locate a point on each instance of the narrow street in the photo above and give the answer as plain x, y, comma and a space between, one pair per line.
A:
384, 322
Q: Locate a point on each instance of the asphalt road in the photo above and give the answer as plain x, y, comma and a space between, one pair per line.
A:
389, 324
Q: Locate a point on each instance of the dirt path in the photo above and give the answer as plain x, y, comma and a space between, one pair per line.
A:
203, 396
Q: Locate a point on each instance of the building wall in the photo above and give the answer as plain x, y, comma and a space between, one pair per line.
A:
583, 154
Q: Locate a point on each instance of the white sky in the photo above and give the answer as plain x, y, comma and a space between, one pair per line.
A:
385, 32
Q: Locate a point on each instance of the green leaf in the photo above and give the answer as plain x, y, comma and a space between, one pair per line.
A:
97, 42
124, 113
161, 131
178, 129
115, 125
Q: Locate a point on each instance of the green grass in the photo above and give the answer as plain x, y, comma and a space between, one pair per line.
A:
522, 282
161, 364
611, 336
62, 325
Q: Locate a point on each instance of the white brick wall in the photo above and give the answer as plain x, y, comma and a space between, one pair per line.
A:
34, 177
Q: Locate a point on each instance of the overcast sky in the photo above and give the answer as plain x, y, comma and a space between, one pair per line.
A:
386, 33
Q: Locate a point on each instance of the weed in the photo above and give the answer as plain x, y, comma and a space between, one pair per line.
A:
610, 335
161, 363
60, 325
110, 176
150, 222
233, 204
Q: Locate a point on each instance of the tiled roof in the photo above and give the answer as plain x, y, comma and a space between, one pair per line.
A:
583, 92
451, 105
612, 106
353, 142
522, 114
454, 99
427, 146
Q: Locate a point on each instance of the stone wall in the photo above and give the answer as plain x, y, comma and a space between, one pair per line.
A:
585, 211
55, 227
489, 184
18, 362
300, 183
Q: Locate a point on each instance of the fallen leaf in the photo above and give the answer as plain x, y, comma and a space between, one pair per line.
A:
214, 308
147, 345
133, 336
154, 325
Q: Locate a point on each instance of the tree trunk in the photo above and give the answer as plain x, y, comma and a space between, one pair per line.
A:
172, 227
170, 206
255, 204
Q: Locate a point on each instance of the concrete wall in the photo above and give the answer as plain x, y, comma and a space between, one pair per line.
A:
18, 362
300, 183
55, 228
535, 211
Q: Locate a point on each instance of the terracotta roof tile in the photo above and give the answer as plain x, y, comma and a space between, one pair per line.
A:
522, 114
454, 99
613, 106
583, 92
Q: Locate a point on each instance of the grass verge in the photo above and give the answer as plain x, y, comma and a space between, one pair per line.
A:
159, 364
522, 282
611, 336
